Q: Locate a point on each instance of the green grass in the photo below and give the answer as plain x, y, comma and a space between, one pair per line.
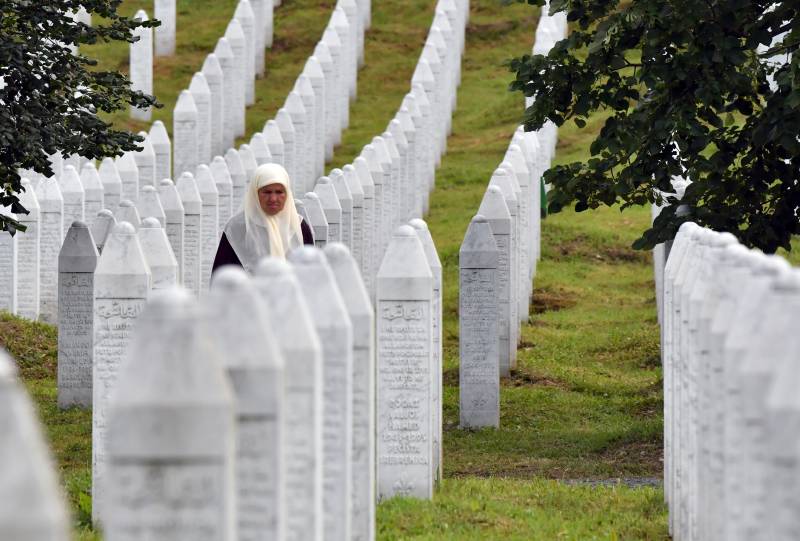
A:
585, 400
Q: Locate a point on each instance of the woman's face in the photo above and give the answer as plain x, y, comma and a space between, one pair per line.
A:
272, 198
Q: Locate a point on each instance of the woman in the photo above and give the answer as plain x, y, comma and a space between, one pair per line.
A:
267, 226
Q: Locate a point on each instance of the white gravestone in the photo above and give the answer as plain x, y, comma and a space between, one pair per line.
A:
259, 46
395, 179
268, 21
335, 332
8, 267
235, 36
274, 140
213, 73
174, 215
129, 176
126, 212
121, 285
244, 14
28, 254
162, 148
112, 183
227, 62
508, 185
141, 64
164, 11
479, 371
149, 205
222, 178
258, 144
323, 56
239, 325
370, 154
184, 131
362, 317
301, 176
73, 194
493, 207
239, 178
51, 231
201, 93
437, 366
158, 254
404, 344
289, 136
249, 163
291, 320
313, 70
357, 193
33, 508
342, 29
210, 223
192, 231
346, 202
312, 155
316, 219
104, 222
146, 162
370, 226
76, 263
94, 200
171, 436
333, 209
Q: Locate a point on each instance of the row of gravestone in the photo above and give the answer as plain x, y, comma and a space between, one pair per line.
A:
731, 379
497, 262
386, 186
240, 416
205, 203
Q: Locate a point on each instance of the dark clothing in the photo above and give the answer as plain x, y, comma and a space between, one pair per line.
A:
227, 256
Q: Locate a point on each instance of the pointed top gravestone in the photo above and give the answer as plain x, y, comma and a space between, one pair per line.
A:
249, 162
127, 212
224, 183
141, 64
246, 17
404, 300
93, 189
316, 218
146, 162
172, 418
28, 256
76, 264
73, 193
335, 331
101, 228
236, 38
227, 62
332, 207
149, 204
185, 128
192, 233
359, 307
258, 143
129, 176
214, 78
239, 324
158, 254
346, 202
51, 232
201, 93
112, 183
274, 140
290, 139
291, 319
165, 32
239, 178
33, 508
479, 369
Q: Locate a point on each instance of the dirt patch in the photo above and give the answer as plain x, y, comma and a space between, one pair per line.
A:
525, 379
647, 455
630, 482
551, 300
625, 255
490, 30
450, 377
581, 246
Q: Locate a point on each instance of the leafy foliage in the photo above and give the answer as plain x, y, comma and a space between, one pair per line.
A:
708, 90
50, 98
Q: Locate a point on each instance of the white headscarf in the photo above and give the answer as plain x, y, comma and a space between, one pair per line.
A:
253, 233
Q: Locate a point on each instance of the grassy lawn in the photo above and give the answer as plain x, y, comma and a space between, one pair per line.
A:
585, 400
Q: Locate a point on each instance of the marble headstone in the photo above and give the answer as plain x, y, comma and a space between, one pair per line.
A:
214, 78
335, 332
127, 212
112, 183
404, 430
158, 254
172, 427
129, 176
121, 285
51, 232
164, 11
104, 222
239, 178
93, 192
162, 148
479, 370
238, 323
192, 231
210, 223
76, 264
291, 320
224, 183
73, 194
174, 214
185, 133
28, 251
149, 205
146, 162
359, 308
201, 93
316, 219
141, 64
332, 208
